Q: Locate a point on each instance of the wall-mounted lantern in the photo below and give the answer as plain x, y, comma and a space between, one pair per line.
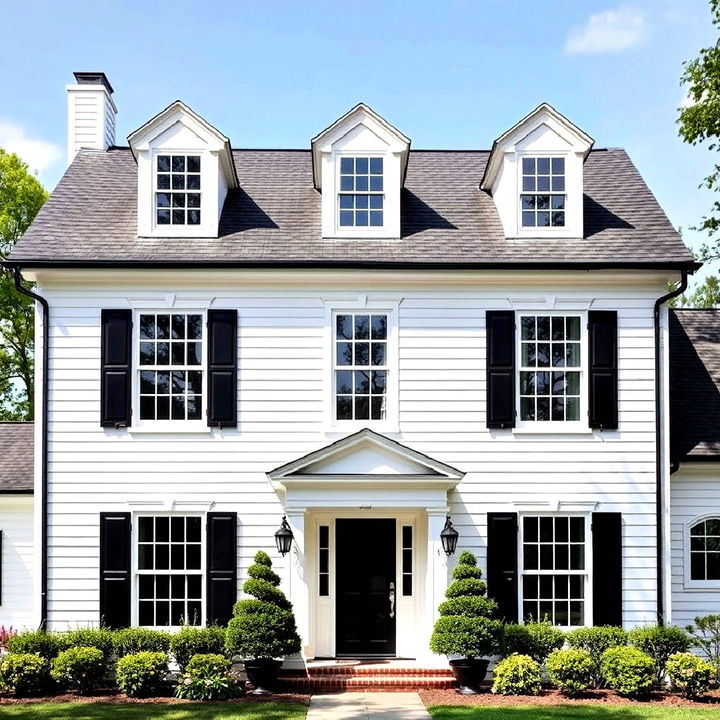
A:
449, 537
284, 537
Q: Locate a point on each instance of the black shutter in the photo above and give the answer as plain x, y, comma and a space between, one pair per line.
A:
115, 542
603, 375
500, 329
221, 566
116, 368
502, 563
222, 368
607, 568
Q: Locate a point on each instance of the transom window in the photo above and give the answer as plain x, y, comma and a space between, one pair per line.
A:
542, 200
361, 370
550, 362
177, 196
361, 196
169, 570
705, 550
553, 569
171, 366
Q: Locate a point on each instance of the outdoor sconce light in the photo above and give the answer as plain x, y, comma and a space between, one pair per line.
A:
284, 537
449, 537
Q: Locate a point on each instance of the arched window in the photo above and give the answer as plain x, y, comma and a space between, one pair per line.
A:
705, 549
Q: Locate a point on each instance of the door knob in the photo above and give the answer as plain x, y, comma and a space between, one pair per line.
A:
392, 600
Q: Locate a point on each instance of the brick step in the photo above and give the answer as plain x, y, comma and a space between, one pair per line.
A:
376, 670
370, 683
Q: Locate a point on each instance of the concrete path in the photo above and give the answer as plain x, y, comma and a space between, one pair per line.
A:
359, 706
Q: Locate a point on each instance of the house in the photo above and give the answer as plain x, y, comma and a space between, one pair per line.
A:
362, 343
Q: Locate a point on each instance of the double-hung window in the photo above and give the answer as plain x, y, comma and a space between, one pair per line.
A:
705, 551
542, 198
177, 190
361, 196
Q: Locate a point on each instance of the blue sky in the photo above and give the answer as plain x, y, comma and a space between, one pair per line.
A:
449, 73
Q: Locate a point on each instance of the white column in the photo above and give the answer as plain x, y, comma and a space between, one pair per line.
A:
435, 582
297, 583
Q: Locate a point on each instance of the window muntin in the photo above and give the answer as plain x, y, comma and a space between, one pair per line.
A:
361, 366
177, 190
361, 198
169, 570
542, 200
550, 367
705, 550
171, 366
554, 574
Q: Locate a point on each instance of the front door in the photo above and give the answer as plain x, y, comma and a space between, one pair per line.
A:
365, 587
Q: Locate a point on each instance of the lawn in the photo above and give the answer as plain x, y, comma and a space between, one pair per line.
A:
189, 711
573, 712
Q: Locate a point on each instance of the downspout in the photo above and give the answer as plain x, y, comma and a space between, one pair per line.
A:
44, 469
679, 290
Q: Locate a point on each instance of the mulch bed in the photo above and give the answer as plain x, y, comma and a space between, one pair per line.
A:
555, 697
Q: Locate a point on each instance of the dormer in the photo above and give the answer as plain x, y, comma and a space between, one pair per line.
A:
359, 166
535, 176
185, 168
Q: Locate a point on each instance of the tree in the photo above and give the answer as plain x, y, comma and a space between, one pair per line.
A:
21, 197
705, 295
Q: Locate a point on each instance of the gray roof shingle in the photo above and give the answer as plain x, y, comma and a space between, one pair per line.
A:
16, 457
274, 218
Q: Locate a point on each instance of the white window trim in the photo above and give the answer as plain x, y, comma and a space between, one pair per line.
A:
135, 595
391, 422
560, 427
688, 582
588, 572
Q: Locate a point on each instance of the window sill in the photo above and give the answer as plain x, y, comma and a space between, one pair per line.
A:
170, 429
702, 585
553, 429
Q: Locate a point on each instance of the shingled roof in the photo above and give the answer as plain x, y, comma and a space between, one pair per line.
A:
694, 385
274, 219
16, 457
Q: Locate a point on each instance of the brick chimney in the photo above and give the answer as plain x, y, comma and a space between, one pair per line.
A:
91, 113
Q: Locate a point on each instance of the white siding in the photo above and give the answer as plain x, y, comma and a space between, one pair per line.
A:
16, 524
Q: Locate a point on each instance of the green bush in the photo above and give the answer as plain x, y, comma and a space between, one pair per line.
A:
660, 643
596, 640
571, 671
142, 674
536, 639
192, 641
627, 670
130, 641
79, 668
516, 675
100, 638
207, 677
38, 642
690, 674
466, 626
259, 571
263, 628
706, 638
24, 674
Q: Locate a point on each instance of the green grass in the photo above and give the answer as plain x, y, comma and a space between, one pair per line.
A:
572, 712
190, 711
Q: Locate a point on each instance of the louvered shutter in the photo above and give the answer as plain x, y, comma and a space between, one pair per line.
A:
115, 578
607, 568
116, 368
500, 329
502, 563
221, 566
222, 368
603, 372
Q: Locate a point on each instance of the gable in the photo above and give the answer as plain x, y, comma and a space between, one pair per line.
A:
368, 459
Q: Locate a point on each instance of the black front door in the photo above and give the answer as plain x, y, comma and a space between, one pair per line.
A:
365, 587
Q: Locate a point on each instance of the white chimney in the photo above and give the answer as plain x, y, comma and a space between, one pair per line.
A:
91, 113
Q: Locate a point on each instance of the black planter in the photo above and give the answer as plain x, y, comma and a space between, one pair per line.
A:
262, 675
469, 672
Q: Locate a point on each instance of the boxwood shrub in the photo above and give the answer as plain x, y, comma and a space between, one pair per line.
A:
571, 670
24, 674
142, 674
516, 675
596, 640
536, 639
100, 638
38, 642
139, 639
79, 668
192, 641
660, 643
627, 670
690, 674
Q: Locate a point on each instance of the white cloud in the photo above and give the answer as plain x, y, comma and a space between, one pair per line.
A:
607, 32
40, 155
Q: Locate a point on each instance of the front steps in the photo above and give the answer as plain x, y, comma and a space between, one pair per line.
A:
365, 676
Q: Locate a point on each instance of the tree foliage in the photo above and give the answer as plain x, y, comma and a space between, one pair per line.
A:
704, 295
21, 197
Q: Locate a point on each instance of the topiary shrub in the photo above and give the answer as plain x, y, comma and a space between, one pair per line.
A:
207, 677
192, 641
38, 642
660, 643
690, 674
263, 628
571, 671
142, 674
100, 638
130, 641
24, 674
79, 668
516, 675
627, 670
465, 626
536, 639
596, 640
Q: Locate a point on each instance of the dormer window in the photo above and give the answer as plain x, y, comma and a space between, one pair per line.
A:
361, 195
177, 197
542, 200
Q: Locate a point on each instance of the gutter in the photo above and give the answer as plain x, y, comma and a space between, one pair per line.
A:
679, 290
17, 273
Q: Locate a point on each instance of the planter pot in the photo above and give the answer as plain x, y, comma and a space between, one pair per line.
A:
469, 672
262, 675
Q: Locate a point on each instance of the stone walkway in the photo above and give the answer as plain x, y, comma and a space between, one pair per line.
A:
359, 706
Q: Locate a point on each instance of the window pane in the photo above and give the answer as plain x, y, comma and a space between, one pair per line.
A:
376, 166
697, 566
530, 557
362, 383
193, 163
362, 407
346, 165
343, 382
344, 407
543, 166
528, 165
361, 166
528, 219
530, 529
163, 163
362, 353
558, 166
344, 353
